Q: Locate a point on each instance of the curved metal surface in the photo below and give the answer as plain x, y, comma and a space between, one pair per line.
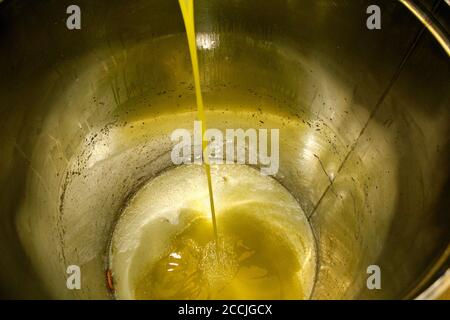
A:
430, 23
86, 117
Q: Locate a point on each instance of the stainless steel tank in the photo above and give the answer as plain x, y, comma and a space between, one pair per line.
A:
86, 117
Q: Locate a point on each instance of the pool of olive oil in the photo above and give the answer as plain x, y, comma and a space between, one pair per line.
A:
256, 261
163, 247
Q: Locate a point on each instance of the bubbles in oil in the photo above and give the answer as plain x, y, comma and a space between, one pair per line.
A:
191, 269
252, 263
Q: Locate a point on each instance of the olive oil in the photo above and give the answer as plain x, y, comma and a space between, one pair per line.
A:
187, 10
265, 242
256, 261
